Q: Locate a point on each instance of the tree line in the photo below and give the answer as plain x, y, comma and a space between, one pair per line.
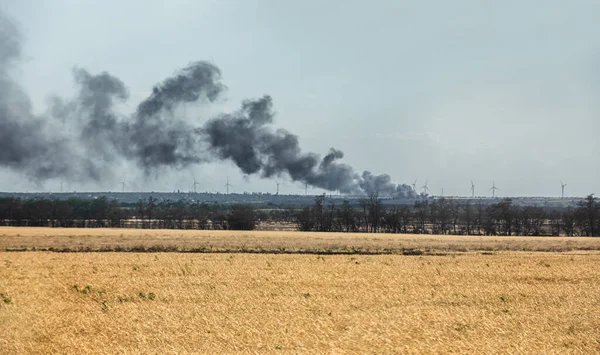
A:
427, 216
106, 213
448, 216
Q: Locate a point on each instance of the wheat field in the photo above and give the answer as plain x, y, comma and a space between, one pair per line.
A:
178, 303
462, 295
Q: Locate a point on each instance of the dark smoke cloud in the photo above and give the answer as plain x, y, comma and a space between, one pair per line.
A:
83, 138
100, 130
155, 136
247, 139
29, 143
199, 79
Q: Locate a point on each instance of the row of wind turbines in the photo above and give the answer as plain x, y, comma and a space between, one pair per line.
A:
196, 183
425, 188
493, 189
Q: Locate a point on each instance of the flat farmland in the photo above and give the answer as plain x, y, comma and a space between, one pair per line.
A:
183, 303
293, 292
75, 239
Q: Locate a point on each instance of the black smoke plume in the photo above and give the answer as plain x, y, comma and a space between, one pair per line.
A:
247, 138
83, 137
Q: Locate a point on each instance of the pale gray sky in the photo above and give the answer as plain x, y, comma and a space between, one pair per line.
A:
449, 91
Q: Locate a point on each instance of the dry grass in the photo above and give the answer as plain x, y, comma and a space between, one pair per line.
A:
274, 241
167, 303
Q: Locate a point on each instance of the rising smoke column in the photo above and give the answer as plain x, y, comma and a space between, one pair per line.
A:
84, 137
29, 143
156, 137
98, 126
153, 136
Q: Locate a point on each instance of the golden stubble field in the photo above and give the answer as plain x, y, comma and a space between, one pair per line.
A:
178, 303
79, 239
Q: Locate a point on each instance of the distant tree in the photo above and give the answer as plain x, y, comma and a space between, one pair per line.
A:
346, 217
467, 219
440, 216
420, 213
318, 213
305, 220
455, 211
481, 213
241, 217
504, 212
330, 223
364, 205
588, 216
568, 220
393, 219
405, 219
487, 217
141, 210
150, 207
375, 212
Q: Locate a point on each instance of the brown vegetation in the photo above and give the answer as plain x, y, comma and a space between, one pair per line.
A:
107, 303
74, 239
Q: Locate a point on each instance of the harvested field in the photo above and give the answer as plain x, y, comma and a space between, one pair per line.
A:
74, 239
167, 303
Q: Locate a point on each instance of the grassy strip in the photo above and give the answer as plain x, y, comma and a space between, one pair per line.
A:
174, 249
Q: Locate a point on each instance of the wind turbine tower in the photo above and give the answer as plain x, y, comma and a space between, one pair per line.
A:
414, 185
425, 188
194, 184
278, 183
123, 185
228, 185
493, 189
563, 189
472, 189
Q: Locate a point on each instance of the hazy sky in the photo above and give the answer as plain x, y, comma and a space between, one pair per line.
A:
449, 91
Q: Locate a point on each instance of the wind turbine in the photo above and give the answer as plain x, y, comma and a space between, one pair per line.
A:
278, 183
228, 185
123, 185
425, 188
493, 189
414, 185
305, 189
472, 189
194, 184
563, 189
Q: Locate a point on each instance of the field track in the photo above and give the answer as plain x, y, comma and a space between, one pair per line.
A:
73, 239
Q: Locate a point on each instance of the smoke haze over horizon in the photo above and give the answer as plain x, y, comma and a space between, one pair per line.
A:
92, 94
94, 136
